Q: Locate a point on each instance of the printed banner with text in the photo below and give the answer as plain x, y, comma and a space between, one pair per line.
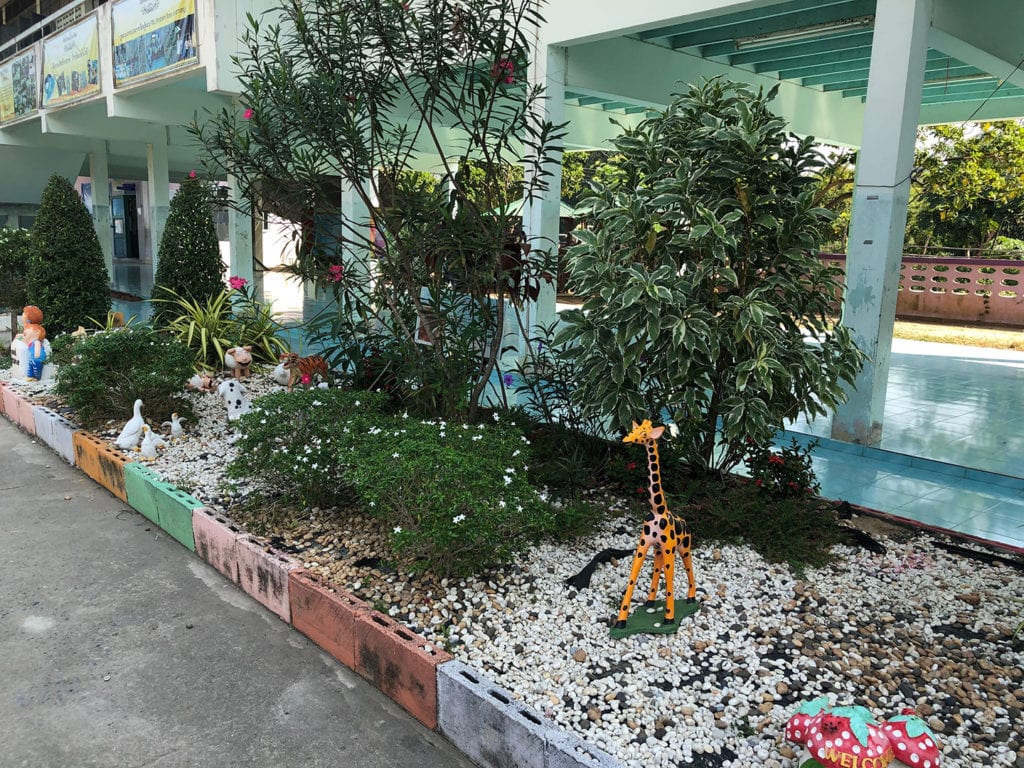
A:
151, 36
19, 86
71, 64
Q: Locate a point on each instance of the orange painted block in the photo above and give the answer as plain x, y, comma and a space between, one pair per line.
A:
100, 462
325, 615
401, 663
260, 572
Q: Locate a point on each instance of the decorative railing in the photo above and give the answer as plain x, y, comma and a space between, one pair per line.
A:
971, 290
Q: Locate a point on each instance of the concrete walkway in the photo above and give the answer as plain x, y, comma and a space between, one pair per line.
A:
118, 647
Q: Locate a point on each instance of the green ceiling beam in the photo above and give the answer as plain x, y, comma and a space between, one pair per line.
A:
948, 99
794, 6
795, 50
727, 29
812, 70
829, 81
979, 89
859, 55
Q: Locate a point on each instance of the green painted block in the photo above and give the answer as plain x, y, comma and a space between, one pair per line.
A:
140, 484
175, 510
648, 621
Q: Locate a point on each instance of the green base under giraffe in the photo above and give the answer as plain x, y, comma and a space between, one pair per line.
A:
650, 621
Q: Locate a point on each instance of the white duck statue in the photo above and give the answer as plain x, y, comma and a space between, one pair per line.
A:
151, 441
175, 425
132, 431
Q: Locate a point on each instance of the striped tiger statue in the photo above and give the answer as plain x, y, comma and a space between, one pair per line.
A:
303, 369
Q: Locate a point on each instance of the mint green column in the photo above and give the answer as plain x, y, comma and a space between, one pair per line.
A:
158, 176
880, 199
100, 177
540, 216
239, 235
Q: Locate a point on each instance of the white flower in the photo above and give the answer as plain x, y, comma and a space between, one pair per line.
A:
510, 471
501, 503
458, 519
394, 455
477, 437
317, 402
495, 415
356, 403
517, 452
673, 429
397, 529
508, 480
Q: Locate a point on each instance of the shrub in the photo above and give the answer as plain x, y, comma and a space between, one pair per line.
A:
211, 326
113, 369
785, 474
67, 277
700, 281
455, 497
15, 251
290, 442
188, 262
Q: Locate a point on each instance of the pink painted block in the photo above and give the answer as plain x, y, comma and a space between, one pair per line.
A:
10, 403
26, 416
261, 573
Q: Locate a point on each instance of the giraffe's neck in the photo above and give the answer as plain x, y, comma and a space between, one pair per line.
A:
654, 470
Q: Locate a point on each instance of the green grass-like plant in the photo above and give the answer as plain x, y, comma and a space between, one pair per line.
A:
107, 371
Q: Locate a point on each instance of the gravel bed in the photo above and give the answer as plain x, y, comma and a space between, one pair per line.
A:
918, 626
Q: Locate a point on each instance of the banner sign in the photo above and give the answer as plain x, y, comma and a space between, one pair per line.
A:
152, 36
71, 64
19, 86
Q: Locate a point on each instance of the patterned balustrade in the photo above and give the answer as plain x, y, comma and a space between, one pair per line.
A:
972, 290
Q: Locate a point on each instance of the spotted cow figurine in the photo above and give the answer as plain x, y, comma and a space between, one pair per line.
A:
663, 532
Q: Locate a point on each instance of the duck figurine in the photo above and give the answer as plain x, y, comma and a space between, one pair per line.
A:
151, 441
132, 431
175, 425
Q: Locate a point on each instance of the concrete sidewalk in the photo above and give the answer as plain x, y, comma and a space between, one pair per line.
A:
119, 647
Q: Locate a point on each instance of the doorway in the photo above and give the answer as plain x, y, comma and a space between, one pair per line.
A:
125, 221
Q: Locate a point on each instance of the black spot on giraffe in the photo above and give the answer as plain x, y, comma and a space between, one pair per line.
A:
657, 487
647, 529
664, 538
659, 500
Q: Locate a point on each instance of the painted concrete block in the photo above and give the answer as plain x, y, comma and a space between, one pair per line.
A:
26, 418
175, 507
261, 572
485, 722
55, 431
100, 462
567, 750
399, 662
140, 484
325, 615
10, 401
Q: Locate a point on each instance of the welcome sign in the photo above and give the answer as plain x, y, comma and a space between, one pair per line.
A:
19, 86
71, 64
152, 36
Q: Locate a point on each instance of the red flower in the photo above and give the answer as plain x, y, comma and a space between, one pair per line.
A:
758, 482
774, 459
191, 174
631, 466
247, 114
306, 378
504, 71
335, 273
640, 491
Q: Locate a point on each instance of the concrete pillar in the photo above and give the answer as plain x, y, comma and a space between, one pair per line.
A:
540, 216
239, 235
158, 176
879, 216
101, 203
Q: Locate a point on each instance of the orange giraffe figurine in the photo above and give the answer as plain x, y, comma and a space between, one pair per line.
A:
663, 531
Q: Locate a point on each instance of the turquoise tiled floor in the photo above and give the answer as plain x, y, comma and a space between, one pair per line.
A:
952, 449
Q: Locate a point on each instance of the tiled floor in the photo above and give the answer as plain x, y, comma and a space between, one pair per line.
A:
952, 450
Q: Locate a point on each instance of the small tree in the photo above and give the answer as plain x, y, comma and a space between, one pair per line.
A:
704, 298
188, 262
67, 277
365, 91
15, 251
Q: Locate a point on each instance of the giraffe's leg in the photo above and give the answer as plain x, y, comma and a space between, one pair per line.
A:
659, 566
670, 600
634, 572
691, 594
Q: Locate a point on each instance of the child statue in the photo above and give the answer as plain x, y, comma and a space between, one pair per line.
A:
30, 347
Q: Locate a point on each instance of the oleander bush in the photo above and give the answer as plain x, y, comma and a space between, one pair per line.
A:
107, 371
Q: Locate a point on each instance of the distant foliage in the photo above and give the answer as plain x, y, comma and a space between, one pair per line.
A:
188, 263
108, 371
67, 276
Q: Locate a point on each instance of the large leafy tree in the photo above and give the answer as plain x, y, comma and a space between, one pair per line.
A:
67, 277
367, 90
970, 185
704, 296
188, 263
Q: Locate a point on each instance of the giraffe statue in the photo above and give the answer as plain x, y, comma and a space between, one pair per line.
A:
663, 531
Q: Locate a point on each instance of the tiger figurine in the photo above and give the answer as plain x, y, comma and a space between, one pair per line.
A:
303, 369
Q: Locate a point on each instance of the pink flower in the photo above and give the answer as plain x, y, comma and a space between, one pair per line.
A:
237, 283
335, 273
248, 114
191, 174
306, 378
504, 70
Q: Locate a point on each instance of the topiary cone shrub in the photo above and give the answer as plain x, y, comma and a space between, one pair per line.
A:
67, 277
188, 262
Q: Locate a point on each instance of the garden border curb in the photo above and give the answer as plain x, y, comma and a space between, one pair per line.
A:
406, 667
